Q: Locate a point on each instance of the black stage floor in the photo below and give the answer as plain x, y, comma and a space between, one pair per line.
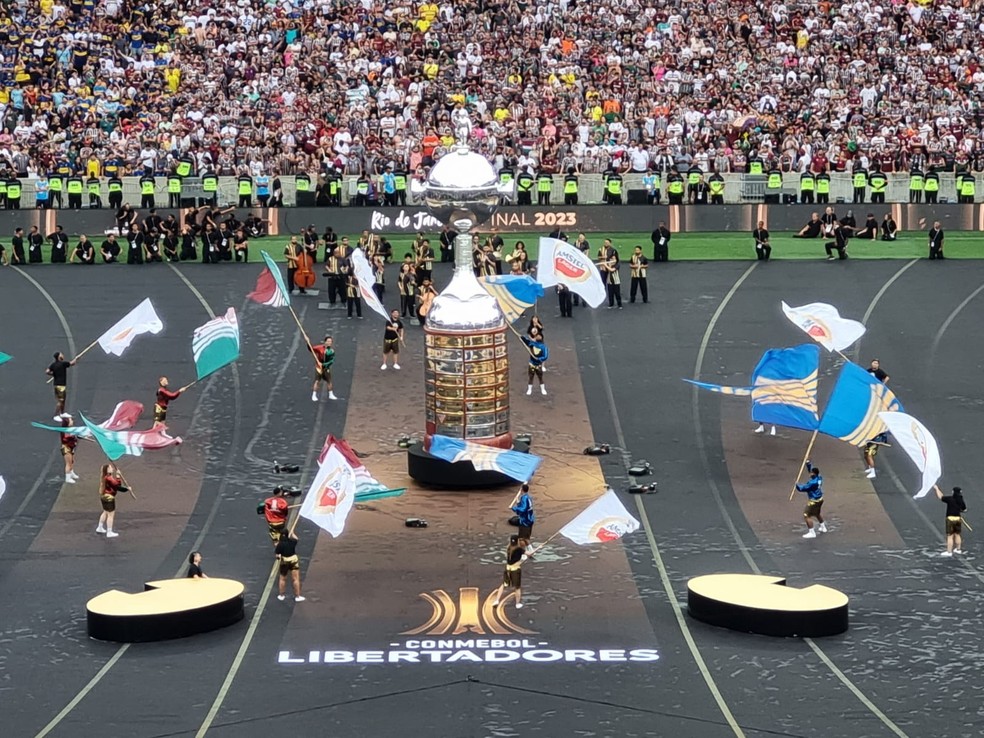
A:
909, 666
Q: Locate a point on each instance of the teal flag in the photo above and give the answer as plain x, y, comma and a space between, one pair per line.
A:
109, 441
216, 343
4, 358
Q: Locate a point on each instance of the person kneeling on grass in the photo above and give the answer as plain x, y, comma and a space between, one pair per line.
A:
889, 228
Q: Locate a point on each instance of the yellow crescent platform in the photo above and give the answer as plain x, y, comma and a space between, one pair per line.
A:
754, 603
171, 608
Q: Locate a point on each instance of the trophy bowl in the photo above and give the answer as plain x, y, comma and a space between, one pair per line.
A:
462, 189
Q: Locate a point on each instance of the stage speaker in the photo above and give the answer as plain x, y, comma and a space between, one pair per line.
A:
637, 197
305, 199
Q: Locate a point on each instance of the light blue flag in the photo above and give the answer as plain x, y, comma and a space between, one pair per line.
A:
514, 292
784, 387
518, 466
4, 358
852, 411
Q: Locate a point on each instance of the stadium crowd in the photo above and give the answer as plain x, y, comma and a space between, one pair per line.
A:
113, 87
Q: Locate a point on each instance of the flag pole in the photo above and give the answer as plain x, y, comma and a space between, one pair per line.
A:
128, 487
806, 457
520, 337
964, 520
841, 354
191, 384
537, 549
303, 333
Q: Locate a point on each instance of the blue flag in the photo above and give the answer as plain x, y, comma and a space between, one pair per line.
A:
514, 293
852, 411
518, 466
721, 389
784, 387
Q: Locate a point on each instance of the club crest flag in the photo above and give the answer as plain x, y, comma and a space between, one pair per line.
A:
852, 412
366, 486
332, 494
4, 358
216, 343
823, 323
515, 293
916, 440
142, 319
604, 520
363, 272
561, 263
270, 287
513, 464
129, 443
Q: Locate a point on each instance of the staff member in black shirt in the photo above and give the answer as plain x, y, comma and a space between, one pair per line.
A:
839, 243
17, 255
936, 241
34, 242
195, 566
870, 230
58, 371
110, 249
955, 506
763, 249
880, 375
290, 565
661, 243
59, 245
84, 251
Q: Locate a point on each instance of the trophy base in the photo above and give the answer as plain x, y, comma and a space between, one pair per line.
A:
431, 471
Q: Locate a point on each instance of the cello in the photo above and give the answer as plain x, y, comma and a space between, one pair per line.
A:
304, 277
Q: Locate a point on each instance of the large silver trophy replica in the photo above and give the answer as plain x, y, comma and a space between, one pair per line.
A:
466, 354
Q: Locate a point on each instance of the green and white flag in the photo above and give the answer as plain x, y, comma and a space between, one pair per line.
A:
128, 442
216, 343
4, 358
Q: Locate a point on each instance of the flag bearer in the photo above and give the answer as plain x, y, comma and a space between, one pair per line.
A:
813, 488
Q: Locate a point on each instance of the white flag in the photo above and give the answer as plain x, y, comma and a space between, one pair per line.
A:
823, 324
363, 272
3, 487
604, 520
919, 443
142, 319
560, 263
332, 494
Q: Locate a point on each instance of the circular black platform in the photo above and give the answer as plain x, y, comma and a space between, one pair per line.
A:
434, 472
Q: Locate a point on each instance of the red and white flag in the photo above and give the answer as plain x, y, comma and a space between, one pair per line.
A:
823, 323
332, 494
560, 263
363, 273
604, 520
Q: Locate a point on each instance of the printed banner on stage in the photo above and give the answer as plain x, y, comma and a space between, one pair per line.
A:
142, 319
916, 440
823, 323
130, 443
515, 293
852, 413
784, 387
216, 343
363, 273
604, 520
125, 416
366, 486
513, 464
270, 287
560, 263
332, 494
